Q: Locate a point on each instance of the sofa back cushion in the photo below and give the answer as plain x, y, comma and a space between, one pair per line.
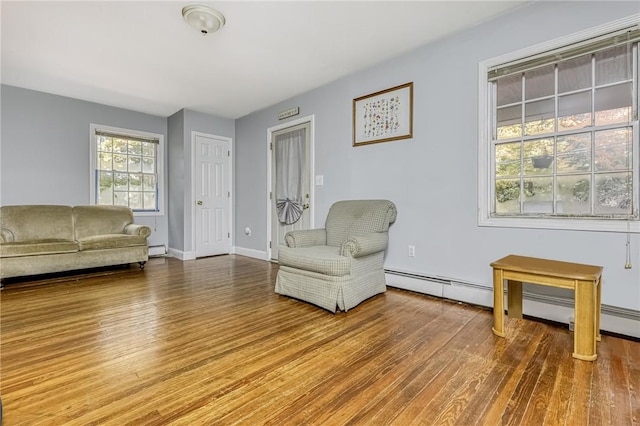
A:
351, 217
100, 220
37, 222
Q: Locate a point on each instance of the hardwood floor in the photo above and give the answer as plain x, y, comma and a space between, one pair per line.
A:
209, 342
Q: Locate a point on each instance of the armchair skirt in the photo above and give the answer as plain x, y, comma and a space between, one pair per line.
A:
343, 290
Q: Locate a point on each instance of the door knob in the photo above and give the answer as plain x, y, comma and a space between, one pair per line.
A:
199, 202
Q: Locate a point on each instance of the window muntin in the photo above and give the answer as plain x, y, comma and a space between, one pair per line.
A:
126, 169
562, 138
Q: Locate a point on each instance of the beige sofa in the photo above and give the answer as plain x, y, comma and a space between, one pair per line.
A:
38, 239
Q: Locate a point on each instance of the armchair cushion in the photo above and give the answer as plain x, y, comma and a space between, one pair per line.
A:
321, 259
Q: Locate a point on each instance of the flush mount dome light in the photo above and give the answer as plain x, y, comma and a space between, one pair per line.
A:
203, 18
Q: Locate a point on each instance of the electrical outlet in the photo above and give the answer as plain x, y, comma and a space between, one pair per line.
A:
412, 251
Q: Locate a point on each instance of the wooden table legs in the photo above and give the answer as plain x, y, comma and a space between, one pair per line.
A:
586, 318
498, 303
514, 299
585, 280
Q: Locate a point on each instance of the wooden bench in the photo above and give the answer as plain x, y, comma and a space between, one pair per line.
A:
585, 280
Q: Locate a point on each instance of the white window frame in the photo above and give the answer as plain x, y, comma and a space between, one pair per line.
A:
93, 128
486, 160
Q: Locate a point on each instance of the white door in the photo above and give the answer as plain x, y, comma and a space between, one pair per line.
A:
212, 195
290, 177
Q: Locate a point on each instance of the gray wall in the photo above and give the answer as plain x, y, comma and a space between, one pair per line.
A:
433, 177
175, 161
44, 156
181, 124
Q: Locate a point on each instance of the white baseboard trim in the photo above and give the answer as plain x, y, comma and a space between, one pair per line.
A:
612, 319
256, 254
188, 255
182, 255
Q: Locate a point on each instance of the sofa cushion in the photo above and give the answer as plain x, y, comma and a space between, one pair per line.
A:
110, 241
100, 220
322, 259
37, 222
37, 247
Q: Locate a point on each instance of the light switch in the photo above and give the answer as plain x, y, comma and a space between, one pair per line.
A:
319, 180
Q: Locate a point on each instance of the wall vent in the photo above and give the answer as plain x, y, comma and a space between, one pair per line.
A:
157, 251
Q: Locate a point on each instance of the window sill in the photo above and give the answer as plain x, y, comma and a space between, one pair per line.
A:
597, 225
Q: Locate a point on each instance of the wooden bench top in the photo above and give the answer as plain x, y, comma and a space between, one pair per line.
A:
553, 268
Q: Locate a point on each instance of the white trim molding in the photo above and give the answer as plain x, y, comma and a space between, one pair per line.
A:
182, 255
256, 254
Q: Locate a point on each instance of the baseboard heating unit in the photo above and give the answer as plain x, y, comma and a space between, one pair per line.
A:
555, 308
155, 251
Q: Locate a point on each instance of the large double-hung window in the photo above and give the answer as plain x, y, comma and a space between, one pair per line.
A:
562, 135
126, 169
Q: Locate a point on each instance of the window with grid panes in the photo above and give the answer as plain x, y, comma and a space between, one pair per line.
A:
564, 132
126, 169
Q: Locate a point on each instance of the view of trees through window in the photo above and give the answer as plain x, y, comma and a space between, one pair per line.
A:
563, 137
126, 172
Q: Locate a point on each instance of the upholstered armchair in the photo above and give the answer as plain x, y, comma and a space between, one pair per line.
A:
341, 264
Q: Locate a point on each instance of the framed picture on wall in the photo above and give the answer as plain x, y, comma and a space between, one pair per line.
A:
383, 116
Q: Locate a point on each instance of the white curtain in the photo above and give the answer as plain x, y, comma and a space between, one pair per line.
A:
290, 151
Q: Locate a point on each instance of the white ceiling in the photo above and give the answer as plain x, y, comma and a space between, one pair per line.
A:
143, 56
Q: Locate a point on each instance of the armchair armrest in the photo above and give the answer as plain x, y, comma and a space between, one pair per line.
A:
6, 236
135, 229
364, 244
306, 238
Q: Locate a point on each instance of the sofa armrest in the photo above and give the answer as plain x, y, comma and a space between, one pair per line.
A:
306, 238
364, 244
135, 229
6, 236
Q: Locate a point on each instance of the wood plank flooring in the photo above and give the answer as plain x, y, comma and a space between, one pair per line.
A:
208, 342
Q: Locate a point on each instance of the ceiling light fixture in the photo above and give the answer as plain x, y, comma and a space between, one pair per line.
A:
203, 18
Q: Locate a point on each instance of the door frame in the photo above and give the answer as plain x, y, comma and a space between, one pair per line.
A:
193, 187
308, 119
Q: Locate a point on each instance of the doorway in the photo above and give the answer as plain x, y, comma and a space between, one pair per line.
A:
211, 194
291, 170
